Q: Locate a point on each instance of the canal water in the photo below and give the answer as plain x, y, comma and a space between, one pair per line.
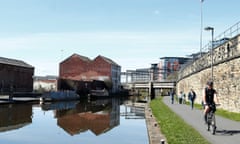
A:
99, 121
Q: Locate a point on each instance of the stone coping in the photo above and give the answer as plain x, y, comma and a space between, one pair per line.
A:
154, 131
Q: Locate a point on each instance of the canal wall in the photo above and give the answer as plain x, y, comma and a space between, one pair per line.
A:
226, 74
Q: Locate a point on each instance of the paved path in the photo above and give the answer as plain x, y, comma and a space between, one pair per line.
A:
228, 132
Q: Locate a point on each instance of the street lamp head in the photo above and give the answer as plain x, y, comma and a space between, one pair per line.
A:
209, 28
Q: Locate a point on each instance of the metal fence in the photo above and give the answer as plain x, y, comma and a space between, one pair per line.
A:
227, 34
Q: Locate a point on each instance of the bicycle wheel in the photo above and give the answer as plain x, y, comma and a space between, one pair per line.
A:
208, 127
213, 125
209, 120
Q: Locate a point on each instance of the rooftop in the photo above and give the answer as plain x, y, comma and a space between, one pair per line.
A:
14, 62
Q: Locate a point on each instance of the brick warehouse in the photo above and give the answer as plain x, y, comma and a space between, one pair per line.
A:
81, 68
15, 75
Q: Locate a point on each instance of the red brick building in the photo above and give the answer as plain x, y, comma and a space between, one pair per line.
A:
81, 68
15, 75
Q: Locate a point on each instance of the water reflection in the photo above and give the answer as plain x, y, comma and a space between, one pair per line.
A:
15, 116
61, 105
98, 116
84, 121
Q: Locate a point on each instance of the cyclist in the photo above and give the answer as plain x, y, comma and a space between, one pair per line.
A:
209, 98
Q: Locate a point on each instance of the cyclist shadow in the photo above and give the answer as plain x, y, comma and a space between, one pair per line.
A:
228, 132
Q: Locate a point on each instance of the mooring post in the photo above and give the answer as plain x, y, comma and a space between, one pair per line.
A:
162, 141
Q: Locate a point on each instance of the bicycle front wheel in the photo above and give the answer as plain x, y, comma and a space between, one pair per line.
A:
213, 125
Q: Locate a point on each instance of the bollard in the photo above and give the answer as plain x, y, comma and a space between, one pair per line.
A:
162, 141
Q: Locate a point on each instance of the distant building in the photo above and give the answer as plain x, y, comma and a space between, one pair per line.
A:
154, 72
139, 75
45, 83
157, 72
15, 75
81, 68
168, 65
144, 74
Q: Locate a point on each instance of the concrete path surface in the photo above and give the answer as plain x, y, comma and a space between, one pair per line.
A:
228, 131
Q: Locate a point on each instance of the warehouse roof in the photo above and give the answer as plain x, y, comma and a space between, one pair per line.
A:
14, 62
108, 60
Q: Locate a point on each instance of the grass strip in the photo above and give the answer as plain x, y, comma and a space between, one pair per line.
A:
224, 113
173, 127
229, 115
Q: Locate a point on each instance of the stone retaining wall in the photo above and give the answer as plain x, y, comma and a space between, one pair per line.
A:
226, 75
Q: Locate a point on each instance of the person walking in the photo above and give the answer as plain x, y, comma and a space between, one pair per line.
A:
181, 97
209, 98
172, 93
191, 97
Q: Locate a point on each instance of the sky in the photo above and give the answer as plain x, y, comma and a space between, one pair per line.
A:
133, 33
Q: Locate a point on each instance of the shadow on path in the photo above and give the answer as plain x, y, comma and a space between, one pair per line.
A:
228, 132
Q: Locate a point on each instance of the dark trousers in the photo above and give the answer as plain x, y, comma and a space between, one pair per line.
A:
172, 99
192, 103
180, 100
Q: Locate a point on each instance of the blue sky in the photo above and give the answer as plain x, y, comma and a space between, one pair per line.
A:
133, 33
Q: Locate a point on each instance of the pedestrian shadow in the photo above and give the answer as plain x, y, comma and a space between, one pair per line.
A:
228, 132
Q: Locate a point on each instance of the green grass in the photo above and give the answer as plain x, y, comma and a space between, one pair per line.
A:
224, 113
173, 127
229, 115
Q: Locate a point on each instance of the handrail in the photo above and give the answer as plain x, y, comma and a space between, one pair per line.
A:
229, 33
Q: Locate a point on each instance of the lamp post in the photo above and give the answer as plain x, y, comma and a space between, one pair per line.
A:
212, 30
201, 27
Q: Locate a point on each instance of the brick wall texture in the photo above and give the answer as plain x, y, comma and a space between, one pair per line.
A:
81, 68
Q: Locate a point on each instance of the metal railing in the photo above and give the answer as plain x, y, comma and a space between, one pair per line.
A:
229, 33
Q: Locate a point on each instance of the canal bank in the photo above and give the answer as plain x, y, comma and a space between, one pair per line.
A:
154, 131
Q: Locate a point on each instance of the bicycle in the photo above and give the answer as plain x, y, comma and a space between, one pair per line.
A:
211, 120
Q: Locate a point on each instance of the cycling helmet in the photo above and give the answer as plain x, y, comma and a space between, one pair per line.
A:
210, 83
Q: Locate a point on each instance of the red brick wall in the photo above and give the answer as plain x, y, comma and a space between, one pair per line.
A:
101, 66
73, 67
76, 68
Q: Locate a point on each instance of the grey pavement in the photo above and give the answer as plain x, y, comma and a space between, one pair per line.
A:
228, 131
